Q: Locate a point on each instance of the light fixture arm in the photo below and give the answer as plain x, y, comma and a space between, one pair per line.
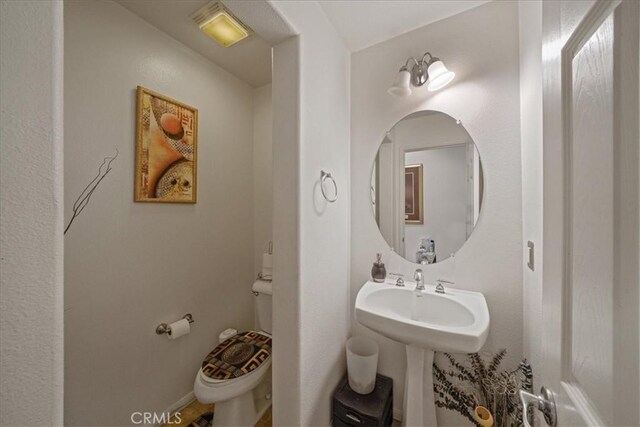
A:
431, 59
405, 67
421, 61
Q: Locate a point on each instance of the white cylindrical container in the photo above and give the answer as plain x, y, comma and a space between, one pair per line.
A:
362, 364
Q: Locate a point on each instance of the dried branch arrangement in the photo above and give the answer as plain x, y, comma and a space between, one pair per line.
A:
472, 383
85, 196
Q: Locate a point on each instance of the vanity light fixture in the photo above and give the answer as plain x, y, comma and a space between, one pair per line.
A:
220, 24
428, 69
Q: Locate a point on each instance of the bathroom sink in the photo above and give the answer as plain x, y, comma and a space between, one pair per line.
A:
425, 321
456, 321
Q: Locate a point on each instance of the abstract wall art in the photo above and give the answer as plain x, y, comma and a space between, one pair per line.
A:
166, 149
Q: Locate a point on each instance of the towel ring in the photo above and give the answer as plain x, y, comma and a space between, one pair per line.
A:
323, 177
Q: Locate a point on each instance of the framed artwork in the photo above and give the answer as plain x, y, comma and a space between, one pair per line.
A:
166, 149
413, 209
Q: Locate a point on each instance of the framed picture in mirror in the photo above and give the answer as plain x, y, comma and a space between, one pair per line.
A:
413, 200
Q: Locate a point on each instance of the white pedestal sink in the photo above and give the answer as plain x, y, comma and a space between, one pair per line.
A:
425, 321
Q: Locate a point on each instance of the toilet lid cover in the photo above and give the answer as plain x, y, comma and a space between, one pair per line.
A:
237, 356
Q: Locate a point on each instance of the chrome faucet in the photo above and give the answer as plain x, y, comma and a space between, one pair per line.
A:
417, 276
440, 286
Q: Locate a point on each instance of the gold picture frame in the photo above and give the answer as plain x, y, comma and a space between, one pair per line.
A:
413, 199
166, 149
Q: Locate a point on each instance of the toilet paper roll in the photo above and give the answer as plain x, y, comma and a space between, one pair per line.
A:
179, 328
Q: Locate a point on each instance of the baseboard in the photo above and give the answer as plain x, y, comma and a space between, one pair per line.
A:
186, 399
397, 414
181, 403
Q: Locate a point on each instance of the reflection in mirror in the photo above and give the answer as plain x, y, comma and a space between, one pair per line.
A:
426, 187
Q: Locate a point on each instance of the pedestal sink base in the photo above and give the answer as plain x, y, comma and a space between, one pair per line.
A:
419, 407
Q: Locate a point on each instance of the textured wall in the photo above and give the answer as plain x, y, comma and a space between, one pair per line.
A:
481, 46
322, 290
286, 232
262, 173
31, 246
530, 19
130, 266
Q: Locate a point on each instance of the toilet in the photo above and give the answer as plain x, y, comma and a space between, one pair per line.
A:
233, 371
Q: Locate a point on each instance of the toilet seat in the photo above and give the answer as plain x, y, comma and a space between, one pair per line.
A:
236, 357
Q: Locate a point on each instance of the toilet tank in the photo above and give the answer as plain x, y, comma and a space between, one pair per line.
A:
263, 295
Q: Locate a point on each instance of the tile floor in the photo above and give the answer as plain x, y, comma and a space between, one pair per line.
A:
193, 410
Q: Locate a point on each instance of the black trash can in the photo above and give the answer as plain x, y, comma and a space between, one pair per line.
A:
374, 409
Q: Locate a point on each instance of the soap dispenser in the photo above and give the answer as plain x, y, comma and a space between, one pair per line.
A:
378, 271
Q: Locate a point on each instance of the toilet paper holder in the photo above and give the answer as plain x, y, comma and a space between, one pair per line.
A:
164, 328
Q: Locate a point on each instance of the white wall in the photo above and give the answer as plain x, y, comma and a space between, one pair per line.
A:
262, 174
31, 245
530, 19
445, 191
481, 46
387, 209
323, 286
286, 233
130, 266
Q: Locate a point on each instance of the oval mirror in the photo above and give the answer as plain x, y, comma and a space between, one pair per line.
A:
426, 187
